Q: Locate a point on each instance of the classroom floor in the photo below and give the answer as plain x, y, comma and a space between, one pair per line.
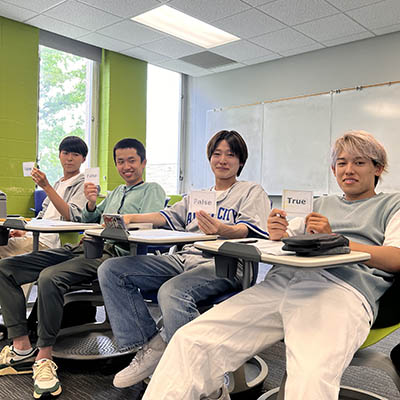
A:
93, 380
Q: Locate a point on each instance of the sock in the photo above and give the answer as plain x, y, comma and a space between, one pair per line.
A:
22, 352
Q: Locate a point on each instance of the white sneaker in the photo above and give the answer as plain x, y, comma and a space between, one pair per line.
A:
46, 383
143, 364
221, 394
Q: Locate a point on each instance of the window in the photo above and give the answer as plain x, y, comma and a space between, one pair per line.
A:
64, 105
163, 127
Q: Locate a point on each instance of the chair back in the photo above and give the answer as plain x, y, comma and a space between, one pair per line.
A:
388, 318
39, 197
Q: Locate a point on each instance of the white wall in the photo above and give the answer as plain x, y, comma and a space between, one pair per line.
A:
365, 62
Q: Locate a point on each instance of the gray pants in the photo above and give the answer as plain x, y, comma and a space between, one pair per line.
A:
55, 271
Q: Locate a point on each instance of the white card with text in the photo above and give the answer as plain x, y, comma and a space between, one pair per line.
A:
27, 167
297, 203
203, 200
92, 175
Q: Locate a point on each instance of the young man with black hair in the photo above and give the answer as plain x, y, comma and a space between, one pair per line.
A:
57, 270
188, 277
64, 200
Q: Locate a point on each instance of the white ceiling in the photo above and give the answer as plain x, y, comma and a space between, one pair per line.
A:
269, 29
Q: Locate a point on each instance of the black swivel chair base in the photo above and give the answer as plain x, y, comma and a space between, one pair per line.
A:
93, 341
90, 341
248, 378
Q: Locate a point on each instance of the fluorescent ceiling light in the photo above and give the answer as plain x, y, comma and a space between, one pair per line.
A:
176, 23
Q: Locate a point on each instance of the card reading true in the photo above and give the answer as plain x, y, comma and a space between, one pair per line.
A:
203, 200
27, 167
297, 203
92, 175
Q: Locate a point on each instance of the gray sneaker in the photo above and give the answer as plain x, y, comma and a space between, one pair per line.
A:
143, 364
221, 394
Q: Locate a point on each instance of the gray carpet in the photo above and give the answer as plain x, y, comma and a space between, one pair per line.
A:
87, 381
93, 380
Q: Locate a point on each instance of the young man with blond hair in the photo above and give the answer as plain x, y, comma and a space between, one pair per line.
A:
324, 315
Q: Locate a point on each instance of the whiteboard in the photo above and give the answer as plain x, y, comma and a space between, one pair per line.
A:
375, 110
248, 121
290, 140
296, 145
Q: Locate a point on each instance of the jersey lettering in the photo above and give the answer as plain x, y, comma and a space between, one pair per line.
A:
227, 215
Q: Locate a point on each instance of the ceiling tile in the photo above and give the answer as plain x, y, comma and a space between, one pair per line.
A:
209, 10
82, 15
36, 5
241, 50
345, 5
294, 12
348, 39
146, 55
378, 15
303, 49
249, 23
255, 3
283, 40
173, 48
330, 28
227, 67
131, 32
105, 42
259, 60
17, 13
124, 8
181, 66
56, 26
387, 29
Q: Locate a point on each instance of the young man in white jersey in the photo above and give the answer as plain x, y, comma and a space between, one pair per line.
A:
64, 200
323, 315
57, 270
188, 277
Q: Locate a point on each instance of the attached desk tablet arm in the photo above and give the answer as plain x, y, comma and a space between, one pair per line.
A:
14, 223
226, 261
93, 245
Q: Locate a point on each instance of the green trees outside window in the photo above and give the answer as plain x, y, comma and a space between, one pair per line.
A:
64, 104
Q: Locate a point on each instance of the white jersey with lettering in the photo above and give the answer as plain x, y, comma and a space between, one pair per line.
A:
243, 203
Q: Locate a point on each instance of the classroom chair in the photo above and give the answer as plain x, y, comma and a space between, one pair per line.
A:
387, 321
39, 195
91, 339
247, 379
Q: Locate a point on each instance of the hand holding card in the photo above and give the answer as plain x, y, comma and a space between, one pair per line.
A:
203, 200
297, 203
27, 167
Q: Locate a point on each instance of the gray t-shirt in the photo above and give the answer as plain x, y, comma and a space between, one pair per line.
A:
369, 221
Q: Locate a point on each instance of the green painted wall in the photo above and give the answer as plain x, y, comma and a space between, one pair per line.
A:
123, 88
19, 68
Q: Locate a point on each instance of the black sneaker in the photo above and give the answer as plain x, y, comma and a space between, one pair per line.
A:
12, 363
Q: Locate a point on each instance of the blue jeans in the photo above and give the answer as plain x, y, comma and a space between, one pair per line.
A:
124, 279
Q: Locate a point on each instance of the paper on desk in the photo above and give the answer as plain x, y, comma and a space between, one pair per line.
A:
266, 246
164, 234
92, 175
55, 223
27, 167
203, 200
